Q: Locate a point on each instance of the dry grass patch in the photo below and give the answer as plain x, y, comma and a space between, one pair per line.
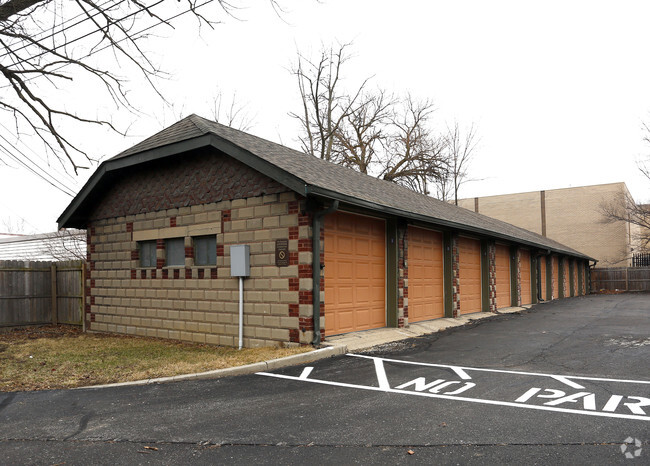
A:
41, 358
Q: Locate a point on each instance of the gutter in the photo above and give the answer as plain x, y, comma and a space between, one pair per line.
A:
311, 190
317, 266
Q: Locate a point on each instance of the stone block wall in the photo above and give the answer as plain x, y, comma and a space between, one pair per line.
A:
200, 303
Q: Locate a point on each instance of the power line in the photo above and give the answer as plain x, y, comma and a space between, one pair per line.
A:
70, 190
99, 29
63, 189
131, 36
19, 216
63, 29
63, 175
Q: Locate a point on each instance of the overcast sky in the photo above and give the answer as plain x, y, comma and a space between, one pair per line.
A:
558, 89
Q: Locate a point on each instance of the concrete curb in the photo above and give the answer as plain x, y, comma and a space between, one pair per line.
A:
269, 365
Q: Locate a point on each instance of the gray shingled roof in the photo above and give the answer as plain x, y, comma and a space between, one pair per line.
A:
334, 181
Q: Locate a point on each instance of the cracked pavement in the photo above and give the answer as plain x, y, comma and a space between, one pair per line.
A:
354, 412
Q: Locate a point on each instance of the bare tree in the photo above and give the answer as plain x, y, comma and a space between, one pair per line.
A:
231, 114
414, 156
9, 226
460, 149
361, 136
325, 106
65, 244
625, 209
367, 130
47, 44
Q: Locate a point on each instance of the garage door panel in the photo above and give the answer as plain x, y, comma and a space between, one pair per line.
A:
355, 273
470, 275
425, 267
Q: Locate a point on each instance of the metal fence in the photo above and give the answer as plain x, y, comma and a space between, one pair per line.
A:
621, 279
41, 292
641, 260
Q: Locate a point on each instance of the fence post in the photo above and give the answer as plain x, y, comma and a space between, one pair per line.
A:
627, 280
55, 313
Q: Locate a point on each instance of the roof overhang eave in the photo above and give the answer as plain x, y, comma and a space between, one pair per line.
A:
392, 211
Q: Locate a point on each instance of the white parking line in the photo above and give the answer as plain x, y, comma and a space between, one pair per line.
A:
459, 398
456, 368
539, 396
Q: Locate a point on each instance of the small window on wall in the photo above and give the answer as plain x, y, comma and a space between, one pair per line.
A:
175, 252
147, 253
205, 250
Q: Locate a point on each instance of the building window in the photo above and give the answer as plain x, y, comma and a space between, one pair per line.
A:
205, 250
175, 252
147, 253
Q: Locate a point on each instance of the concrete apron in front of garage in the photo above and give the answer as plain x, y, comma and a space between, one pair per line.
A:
366, 339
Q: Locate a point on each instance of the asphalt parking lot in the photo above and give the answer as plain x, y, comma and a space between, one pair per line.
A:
566, 382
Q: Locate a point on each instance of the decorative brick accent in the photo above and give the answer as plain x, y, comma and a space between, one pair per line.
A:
294, 284
402, 287
455, 276
492, 276
184, 180
518, 265
172, 221
306, 323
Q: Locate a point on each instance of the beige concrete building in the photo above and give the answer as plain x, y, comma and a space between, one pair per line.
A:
571, 216
327, 250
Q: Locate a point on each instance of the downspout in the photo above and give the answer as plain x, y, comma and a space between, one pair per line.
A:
316, 267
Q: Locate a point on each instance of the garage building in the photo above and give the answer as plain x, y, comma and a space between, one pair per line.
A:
161, 217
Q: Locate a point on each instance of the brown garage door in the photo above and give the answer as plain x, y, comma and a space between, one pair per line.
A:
526, 296
556, 278
542, 277
575, 279
425, 298
503, 276
470, 275
355, 271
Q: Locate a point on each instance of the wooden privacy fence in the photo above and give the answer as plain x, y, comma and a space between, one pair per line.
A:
621, 278
41, 292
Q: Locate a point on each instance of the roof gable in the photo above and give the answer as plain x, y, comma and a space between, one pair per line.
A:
309, 176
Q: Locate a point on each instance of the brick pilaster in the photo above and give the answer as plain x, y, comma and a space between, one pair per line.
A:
455, 273
402, 284
492, 276
518, 264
